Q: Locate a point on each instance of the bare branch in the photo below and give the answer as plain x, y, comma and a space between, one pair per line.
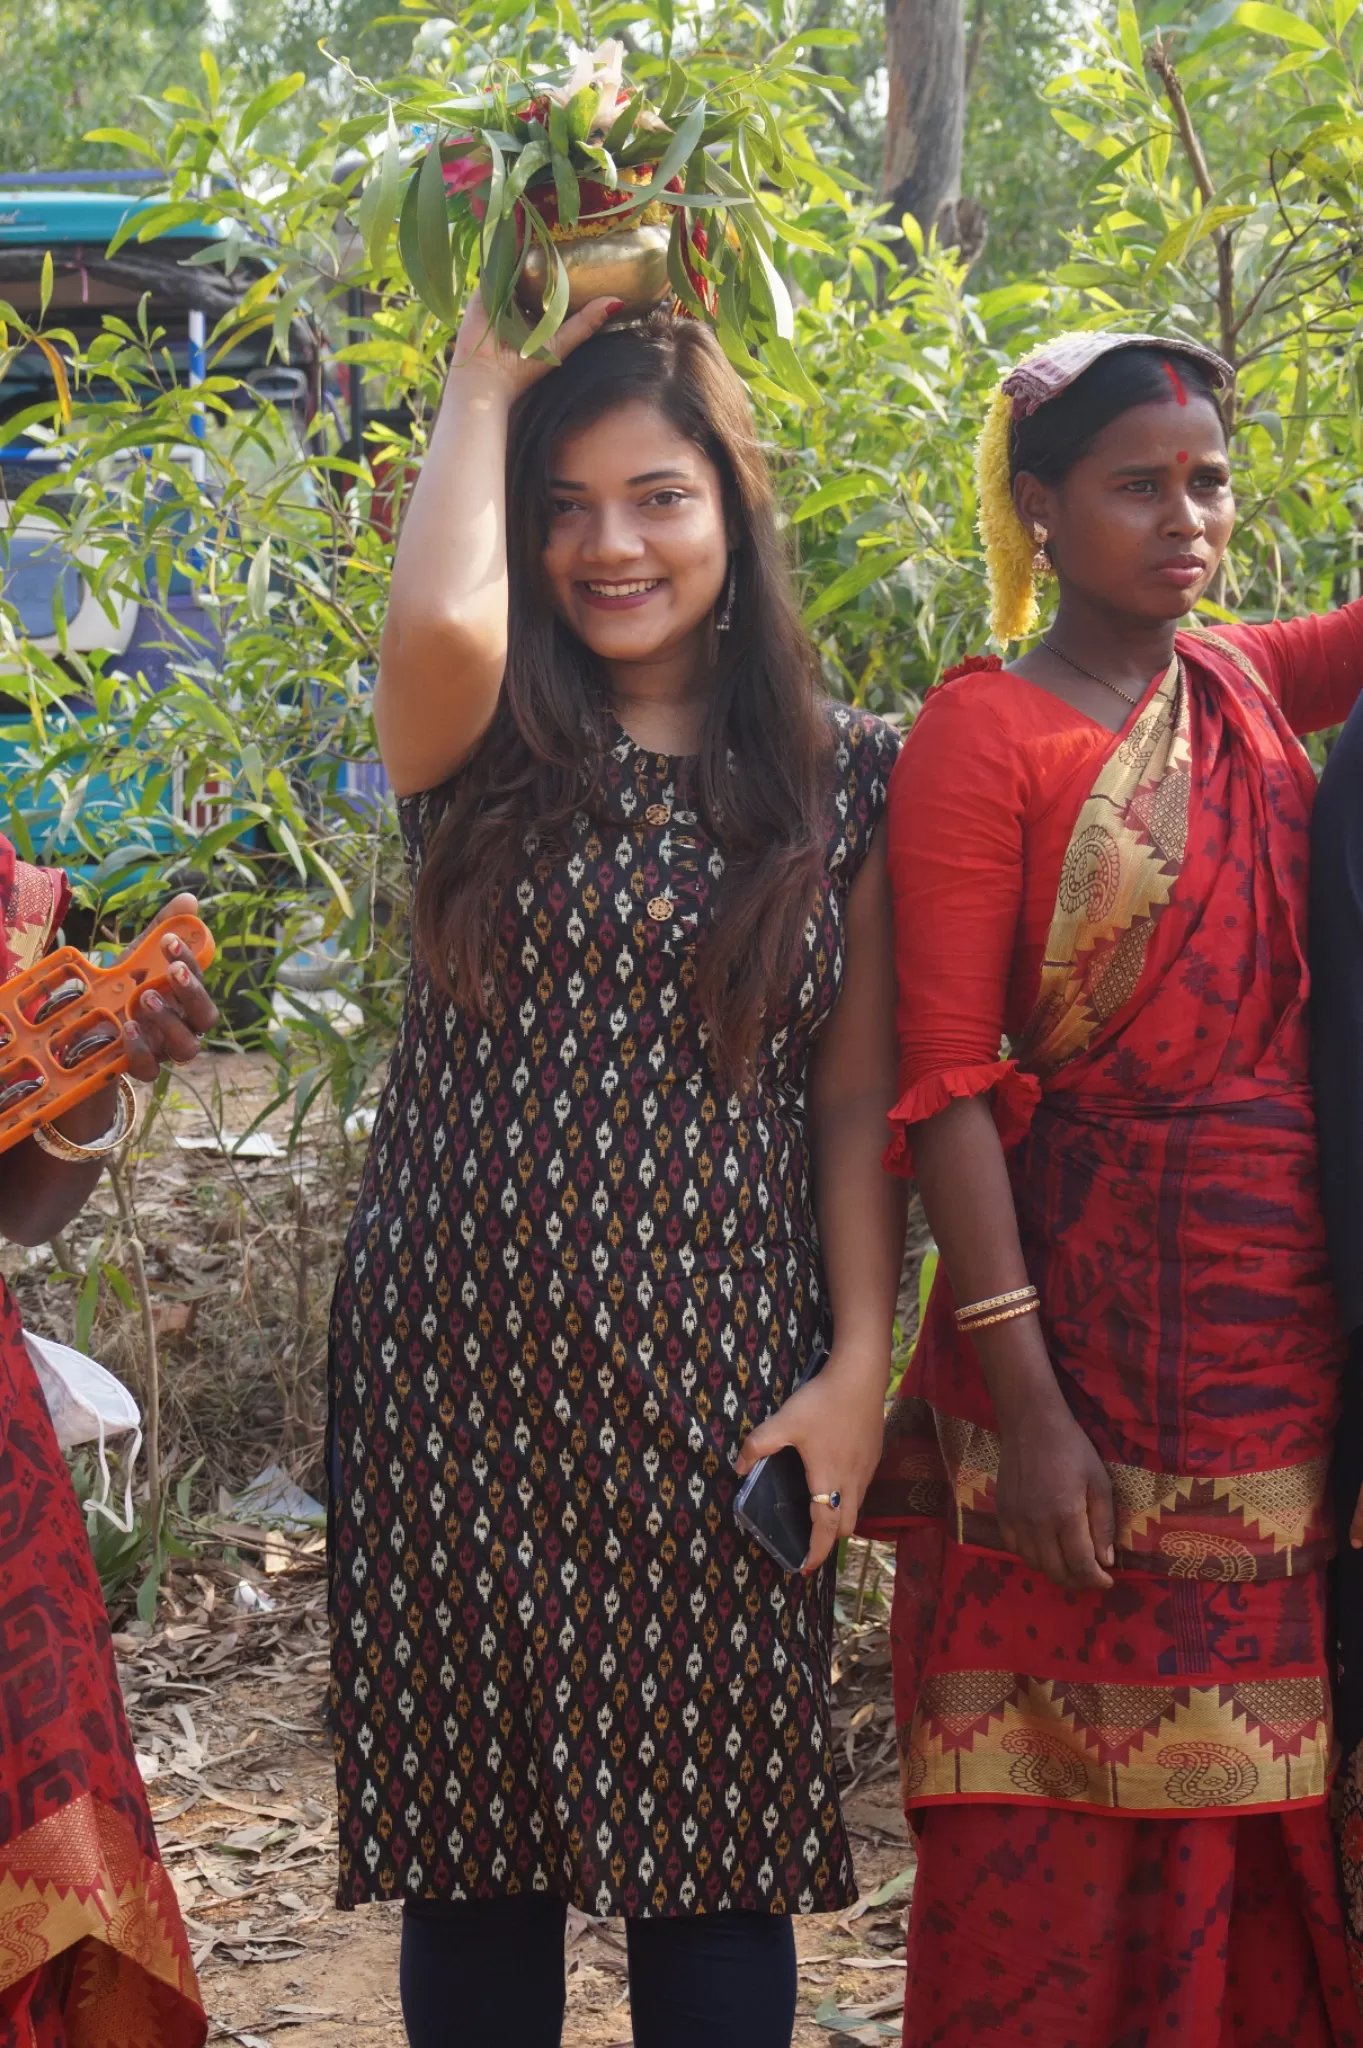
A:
1162, 64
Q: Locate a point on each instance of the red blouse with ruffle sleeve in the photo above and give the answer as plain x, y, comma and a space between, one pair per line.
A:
982, 804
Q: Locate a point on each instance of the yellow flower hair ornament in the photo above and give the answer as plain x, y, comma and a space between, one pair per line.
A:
1008, 550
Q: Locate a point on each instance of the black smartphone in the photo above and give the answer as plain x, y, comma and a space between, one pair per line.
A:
773, 1504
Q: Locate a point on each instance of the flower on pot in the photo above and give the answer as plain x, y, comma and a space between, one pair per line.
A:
594, 90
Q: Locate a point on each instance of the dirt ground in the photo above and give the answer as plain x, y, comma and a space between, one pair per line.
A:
227, 1713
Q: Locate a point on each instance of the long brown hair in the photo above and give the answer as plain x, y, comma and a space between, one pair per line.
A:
762, 778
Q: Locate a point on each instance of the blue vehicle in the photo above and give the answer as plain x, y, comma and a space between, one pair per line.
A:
55, 214
75, 228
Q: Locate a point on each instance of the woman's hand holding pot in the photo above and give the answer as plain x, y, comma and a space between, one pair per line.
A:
477, 349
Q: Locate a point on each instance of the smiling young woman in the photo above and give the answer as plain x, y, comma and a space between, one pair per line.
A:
623, 1184
1107, 1468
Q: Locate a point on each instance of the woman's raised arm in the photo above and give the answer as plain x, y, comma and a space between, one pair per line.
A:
443, 650
1313, 664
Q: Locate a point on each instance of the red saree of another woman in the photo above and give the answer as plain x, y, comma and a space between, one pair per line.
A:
1119, 1796
92, 1948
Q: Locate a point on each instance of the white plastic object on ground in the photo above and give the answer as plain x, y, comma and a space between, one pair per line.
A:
251, 1600
274, 1501
87, 1404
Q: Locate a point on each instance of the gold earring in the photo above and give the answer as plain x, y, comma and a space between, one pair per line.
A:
1041, 561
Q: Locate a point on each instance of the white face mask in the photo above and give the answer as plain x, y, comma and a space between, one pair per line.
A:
87, 1404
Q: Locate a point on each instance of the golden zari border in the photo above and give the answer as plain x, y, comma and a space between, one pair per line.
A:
1232, 1528
78, 1884
1123, 861
1131, 1749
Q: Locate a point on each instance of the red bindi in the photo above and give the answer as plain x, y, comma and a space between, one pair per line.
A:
1183, 455
1172, 374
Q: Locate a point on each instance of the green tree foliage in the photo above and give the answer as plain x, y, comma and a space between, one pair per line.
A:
66, 65
1028, 176
1225, 203
872, 442
270, 38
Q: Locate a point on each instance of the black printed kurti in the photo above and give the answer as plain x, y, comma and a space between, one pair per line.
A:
576, 1277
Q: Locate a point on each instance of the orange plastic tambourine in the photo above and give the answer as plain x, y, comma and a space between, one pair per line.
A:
61, 1023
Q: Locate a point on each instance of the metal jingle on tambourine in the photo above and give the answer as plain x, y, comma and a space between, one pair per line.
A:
629, 264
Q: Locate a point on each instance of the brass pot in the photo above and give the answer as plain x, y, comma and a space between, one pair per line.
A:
629, 264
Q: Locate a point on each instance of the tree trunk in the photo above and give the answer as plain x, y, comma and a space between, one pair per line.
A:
925, 121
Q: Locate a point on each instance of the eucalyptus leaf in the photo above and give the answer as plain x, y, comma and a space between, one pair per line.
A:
555, 305
676, 267
433, 238
840, 491
566, 188
409, 242
384, 210
1279, 22
784, 363
497, 194
621, 128
500, 266
852, 582
675, 92
602, 166
265, 102
258, 583
533, 159
686, 138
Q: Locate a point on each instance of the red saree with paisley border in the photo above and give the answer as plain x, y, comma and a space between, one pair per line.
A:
93, 1952
1120, 1797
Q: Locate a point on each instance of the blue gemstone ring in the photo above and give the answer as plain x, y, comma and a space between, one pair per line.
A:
827, 1500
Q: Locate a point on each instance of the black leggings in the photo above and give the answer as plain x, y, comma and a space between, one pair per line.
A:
488, 1973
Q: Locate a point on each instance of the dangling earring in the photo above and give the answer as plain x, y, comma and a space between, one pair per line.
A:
1042, 564
726, 610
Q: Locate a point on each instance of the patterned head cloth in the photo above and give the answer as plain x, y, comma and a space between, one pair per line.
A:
1043, 376
1008, 548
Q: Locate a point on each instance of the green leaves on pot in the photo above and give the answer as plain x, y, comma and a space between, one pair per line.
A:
424, 239
581, 112
560, 135
512, 164
568, 196
555, 305
619, 134
685, 139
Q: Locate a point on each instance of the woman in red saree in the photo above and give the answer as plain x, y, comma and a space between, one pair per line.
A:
1108, 1487
93, 1952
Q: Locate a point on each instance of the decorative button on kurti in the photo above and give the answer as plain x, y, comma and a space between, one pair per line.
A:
657, 814
577, 1276
660, 908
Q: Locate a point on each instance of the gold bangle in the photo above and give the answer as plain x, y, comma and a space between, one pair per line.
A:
1003, 1315
59, 1146
981, 1308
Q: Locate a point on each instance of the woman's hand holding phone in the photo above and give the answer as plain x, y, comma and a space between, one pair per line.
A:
836, 1422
